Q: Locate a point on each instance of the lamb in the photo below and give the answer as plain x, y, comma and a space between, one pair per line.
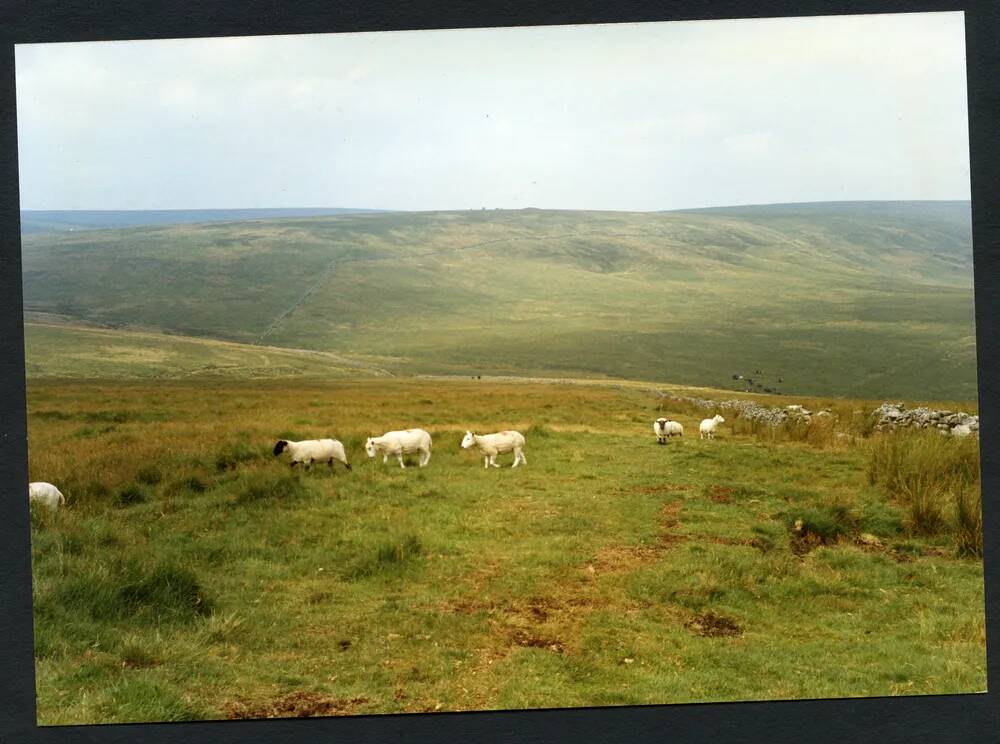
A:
492, 445
401, 443
46, 494
309, 451
708, 426
664, 428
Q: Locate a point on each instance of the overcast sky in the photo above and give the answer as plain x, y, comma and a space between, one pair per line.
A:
622, 116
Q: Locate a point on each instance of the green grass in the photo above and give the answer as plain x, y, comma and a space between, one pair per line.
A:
608, 571
862, 300
57, 348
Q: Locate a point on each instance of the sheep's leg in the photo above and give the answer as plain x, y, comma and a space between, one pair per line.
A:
517, 458
486, 461
524, 460
493, 461
425, 457
399, 456
385, 458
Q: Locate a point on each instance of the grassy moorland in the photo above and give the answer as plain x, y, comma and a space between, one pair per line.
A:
192, 575
57, 349
856, 299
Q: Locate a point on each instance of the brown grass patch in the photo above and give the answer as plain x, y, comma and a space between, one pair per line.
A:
293, 705
661, 488
719, 494
620, 558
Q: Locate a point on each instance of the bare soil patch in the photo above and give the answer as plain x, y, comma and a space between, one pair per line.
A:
293, 705
710, 625
521, 637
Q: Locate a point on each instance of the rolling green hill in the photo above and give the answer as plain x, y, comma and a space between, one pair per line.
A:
58, 349
70, 220
854, 299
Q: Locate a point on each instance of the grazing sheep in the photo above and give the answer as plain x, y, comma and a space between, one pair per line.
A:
708, 426
46, 494
664, 428
492, 445
961, 431
401, 443
313, 450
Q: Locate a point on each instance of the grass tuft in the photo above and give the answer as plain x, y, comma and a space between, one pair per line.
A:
388, 557
149, 475
167, 591
234, 454
130, 495
276, 487
968, 500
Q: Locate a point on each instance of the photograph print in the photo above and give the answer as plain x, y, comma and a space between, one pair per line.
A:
500, 368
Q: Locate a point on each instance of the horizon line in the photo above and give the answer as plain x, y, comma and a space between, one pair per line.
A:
510, 209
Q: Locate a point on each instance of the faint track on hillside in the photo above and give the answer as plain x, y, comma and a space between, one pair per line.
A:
328, 270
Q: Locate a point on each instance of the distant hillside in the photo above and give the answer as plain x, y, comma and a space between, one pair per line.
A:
35, 221
862, 300
56, 349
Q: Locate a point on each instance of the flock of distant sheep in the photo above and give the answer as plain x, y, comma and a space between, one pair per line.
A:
397, 444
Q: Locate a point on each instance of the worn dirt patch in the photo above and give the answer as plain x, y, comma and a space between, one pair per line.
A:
710, 625
806, 543
871, 544
618, 558
521, 637
719, 494
746, 542
293, 705
661, 488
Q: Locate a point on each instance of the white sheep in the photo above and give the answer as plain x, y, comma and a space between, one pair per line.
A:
492, 445
401, 443
961, 431
708, 426
309, 451
46, 494
664, 428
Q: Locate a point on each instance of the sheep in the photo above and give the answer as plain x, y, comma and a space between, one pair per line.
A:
46, 494
664, 428
309, 451
961, 431
492, 445
401, 443
708, 426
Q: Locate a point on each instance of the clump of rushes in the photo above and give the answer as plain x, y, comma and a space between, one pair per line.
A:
935, 478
